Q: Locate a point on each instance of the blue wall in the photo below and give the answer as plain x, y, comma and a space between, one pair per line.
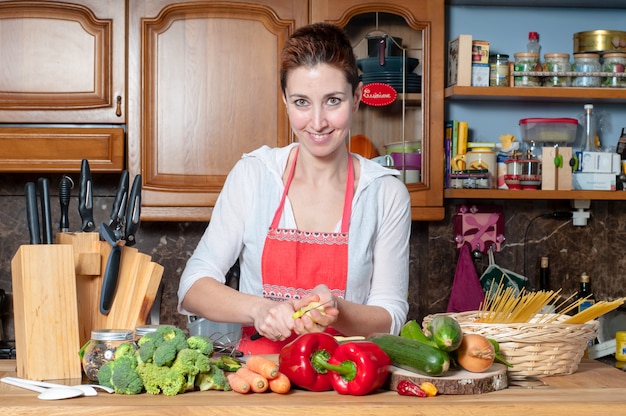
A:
506, 28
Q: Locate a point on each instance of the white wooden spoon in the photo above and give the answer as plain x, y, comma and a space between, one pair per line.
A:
55, 393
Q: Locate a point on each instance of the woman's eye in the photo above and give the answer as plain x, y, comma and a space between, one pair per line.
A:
333, 101
300, 102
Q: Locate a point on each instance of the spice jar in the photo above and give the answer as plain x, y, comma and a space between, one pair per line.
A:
557, 62
526, 62
101, 349
586, 62
498, 70
614, 62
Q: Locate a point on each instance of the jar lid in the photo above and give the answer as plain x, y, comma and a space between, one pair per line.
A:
145, 329
526, 55
499, 56
112, 334
556, 55
587, 55
615, 55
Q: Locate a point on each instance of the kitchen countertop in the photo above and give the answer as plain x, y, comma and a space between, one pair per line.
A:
595, 388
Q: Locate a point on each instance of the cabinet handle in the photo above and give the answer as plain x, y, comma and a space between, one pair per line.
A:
118, 109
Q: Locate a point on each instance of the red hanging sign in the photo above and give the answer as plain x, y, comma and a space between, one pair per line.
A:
378, 94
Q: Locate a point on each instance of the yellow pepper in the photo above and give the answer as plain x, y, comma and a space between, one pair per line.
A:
429, 389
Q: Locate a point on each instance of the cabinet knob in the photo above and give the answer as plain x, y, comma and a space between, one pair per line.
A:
118, 108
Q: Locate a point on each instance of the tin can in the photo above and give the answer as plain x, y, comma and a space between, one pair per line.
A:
557, 62
620, 346
600, 41
526, 62
498, 70
614, 62
586, 62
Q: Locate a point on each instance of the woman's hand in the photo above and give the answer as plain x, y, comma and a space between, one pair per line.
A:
317, 319
274, 319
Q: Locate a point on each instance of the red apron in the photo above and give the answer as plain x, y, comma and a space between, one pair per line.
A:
294, 262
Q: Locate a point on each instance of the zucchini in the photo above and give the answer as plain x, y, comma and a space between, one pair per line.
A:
412, 330
446, 332
412, 355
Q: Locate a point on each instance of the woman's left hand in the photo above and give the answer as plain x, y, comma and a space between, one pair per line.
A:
317, 320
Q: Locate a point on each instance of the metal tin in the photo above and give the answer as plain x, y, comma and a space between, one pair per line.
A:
600, 41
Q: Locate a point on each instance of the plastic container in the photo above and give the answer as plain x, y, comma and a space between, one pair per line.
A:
549, 130
526, 62
533, 43
226, 333
586, 62
557, 62
406, 147
101, 349
614, 62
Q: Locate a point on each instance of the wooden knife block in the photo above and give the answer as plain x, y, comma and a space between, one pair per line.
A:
46, 314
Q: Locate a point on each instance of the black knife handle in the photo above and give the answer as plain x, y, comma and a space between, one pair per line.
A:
32, 213
119, 203
46, 215
65, 191
109, 280
133, 213
85, 197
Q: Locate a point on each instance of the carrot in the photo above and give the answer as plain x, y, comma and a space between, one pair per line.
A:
237, 383
280, 384
262, 366
258, 383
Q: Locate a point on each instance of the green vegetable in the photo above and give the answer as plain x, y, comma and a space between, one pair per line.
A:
496, 349
226, 363
412, 330
413, 355
201, 343
446, 332
163, 379
215, 379
121, 374
162, 345
190, 363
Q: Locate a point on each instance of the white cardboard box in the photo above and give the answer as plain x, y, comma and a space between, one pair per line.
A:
601, 162
480, 75
590, 181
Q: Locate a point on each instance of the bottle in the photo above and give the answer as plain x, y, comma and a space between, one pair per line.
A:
590, 130
584, 291
533, 43
544, 274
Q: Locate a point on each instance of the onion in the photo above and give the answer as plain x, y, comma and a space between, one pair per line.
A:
476, 353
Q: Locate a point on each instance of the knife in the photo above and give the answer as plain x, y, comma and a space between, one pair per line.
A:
32, 213
46, 216
299, 312
85, 197
111, 271
133, 212
65, 190
118, 211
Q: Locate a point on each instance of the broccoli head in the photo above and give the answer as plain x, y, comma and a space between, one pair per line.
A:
121, 375
126, 349
201, 343
190, 363
157, 379
162, 345
214, 379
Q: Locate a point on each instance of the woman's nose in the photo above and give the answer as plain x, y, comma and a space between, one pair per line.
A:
318, 119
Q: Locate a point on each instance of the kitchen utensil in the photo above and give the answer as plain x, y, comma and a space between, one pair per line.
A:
65, 190
133, 212
46, 217
118, 212
383, 45
56, 393
85, 197
301, 312
88, 389
111, 272
32, 213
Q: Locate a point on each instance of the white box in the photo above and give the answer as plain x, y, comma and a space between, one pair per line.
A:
591, 181
480, 75
601, 162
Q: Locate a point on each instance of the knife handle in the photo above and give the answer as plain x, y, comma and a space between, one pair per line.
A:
133, 212
109, 280
46, 216
119, 203
65, 190
32, 213
85, 197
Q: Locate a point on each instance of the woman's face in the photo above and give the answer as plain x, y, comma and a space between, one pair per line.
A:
320, 105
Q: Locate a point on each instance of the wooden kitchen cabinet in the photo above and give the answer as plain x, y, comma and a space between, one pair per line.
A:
203, 89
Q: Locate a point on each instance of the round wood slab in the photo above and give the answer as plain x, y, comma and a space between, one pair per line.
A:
456, 381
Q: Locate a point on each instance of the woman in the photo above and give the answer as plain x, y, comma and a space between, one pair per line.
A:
307, 222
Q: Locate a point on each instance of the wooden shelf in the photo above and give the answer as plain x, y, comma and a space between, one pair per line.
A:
556, 94
606, 4
533, 194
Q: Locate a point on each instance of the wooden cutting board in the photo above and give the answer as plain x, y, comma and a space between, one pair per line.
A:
456, 381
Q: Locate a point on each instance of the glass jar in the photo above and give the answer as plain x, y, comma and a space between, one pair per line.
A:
526, 62
586, 62
101, 349
557, 62
498, 70
614, 62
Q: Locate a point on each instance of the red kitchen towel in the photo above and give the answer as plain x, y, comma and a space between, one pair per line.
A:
467, 293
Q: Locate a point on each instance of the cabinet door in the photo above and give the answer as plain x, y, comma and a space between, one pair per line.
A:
203, 89
62, 62
420, 25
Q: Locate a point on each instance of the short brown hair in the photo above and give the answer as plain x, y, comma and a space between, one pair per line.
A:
319, 43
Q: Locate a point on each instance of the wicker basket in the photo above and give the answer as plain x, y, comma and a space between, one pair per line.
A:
534, 349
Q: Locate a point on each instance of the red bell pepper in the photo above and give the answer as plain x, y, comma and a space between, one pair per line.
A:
358, 368
302, 360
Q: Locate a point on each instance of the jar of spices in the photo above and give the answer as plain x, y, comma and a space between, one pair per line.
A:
526, 62
498, 70
557, 62
586, 62
101, 349
614, 62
